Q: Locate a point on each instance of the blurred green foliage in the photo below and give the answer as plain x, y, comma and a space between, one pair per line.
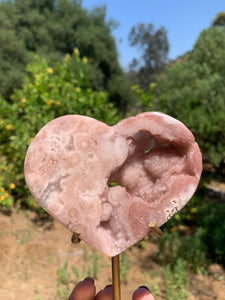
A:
196, 235
53, 28
192, 90
176, 280
47, 93
145, 97
153, 46
190, 248
210, 218
219, 19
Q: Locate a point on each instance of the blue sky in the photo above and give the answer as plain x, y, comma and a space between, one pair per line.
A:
183, 20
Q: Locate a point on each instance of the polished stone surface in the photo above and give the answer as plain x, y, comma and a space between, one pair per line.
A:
111, 182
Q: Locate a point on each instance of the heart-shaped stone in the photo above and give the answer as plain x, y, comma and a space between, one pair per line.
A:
111, 182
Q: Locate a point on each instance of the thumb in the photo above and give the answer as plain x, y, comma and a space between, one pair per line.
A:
84, 290
142, 293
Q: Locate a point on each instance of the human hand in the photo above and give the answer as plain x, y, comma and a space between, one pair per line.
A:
86, 290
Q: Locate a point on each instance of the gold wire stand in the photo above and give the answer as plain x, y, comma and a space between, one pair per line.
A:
116, 277
116, 260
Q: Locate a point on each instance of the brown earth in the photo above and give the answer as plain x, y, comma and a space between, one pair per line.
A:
33, 250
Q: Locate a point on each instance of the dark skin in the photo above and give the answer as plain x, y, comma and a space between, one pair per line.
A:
86, 290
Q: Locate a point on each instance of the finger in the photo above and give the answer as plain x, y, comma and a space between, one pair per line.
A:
106, 294
84, 290
142, 293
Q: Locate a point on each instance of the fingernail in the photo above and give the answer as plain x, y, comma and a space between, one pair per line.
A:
88, 279
108, 286
144, 287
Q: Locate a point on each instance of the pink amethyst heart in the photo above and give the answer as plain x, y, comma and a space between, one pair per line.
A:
74, 162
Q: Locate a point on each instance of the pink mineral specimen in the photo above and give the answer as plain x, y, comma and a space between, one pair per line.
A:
153, 159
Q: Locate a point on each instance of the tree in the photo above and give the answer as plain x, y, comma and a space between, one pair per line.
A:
52, 29
154, 47
192, 90
47, 93
13, 54
219, 20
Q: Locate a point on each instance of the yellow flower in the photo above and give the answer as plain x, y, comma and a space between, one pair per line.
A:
78, 89
49, 102
67, 57
50, 70
173, 229
152, 85
23, 100
2, 190
58, 103
189, 217
177, 217
12, 186
194, 210
134, 87
85, 60
8, 127
5, 168
3, 198
76, 51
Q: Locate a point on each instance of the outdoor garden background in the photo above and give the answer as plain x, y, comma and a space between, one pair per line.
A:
57, 58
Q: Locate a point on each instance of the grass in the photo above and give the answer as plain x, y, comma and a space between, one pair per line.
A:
176, 280
178, 255
92, 266
124, 266
171, 281
97, 264
38, 297
23, 237
181, 253
189, 248
63, 279
152, 281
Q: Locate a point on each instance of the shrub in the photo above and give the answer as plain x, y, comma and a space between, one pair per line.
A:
191, 89
176, 280
211, 219
188, 248
47, 93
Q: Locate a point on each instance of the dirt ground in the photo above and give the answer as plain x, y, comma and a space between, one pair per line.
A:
33, 250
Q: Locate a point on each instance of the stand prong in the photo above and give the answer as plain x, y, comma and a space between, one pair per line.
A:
116, 277
158, 232
76, 237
